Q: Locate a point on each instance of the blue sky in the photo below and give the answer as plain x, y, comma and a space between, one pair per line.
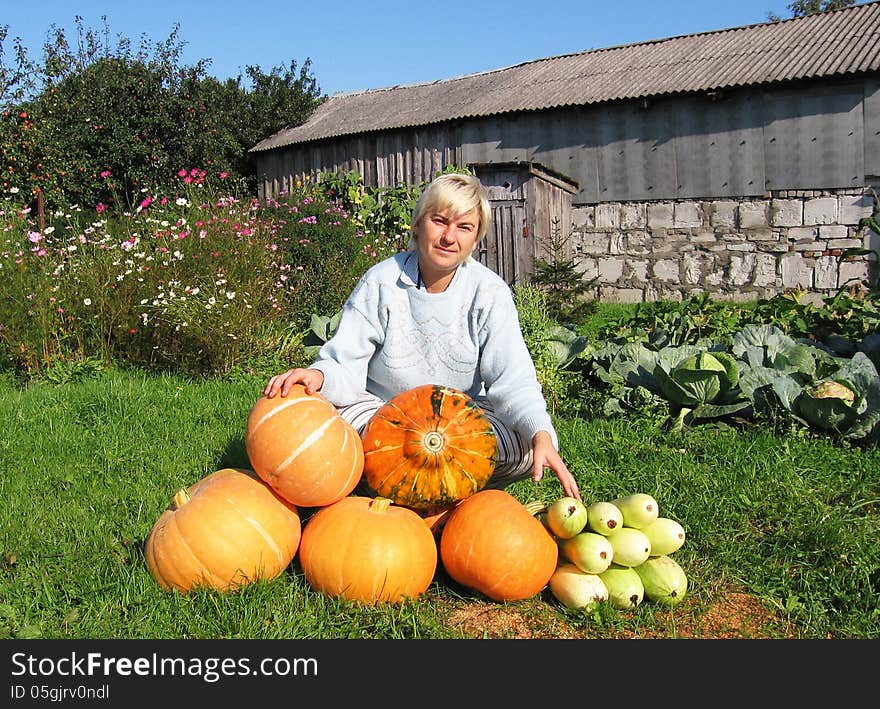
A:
366, 45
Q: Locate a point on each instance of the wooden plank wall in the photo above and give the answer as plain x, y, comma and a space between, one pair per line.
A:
737, 143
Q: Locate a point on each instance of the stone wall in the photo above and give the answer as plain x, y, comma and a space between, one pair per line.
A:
736, 249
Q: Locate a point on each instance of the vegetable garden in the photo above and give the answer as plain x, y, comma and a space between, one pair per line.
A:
132, 363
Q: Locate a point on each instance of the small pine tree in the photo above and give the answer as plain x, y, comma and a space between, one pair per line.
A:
567, 288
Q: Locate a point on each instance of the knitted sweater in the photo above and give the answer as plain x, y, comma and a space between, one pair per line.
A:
394, 336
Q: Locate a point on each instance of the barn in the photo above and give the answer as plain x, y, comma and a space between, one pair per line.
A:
737, 162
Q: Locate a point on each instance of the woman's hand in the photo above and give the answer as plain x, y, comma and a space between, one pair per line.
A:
546, 456
311, 379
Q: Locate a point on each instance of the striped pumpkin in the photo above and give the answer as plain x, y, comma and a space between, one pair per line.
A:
227, 530
428, 447
303, 448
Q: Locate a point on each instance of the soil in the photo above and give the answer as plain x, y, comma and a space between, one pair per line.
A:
732, 615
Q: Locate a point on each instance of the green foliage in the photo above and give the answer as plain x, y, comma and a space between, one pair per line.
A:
139, 114
322, 328
198, 282
802, 8
382, 214
567, 288
325, 252
540, 332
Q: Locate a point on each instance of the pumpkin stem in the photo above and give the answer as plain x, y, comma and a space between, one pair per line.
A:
535, 507
434, 441
181, 497
379, 504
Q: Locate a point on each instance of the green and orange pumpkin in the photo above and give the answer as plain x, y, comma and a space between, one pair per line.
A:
428, 447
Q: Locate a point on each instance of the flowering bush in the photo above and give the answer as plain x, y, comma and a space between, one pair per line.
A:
199, 280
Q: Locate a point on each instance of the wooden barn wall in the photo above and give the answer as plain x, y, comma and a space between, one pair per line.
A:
383, 159
735, 144
872, 131
814, 139
742, 143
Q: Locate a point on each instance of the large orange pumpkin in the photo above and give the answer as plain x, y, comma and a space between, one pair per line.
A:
225, 531
368, 550
428, 447
303, 448
492, 544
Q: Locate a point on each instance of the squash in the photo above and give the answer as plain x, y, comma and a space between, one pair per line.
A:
492, 544
428, 447
435, 518
303, 448
225, 531
368, 550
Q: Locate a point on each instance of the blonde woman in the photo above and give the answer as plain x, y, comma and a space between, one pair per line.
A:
434, 315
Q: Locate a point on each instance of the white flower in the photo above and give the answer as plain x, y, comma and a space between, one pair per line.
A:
48, 229
13, 190
181, 202
87, 301
230, 295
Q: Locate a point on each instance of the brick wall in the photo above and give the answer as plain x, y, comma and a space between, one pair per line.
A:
736, 249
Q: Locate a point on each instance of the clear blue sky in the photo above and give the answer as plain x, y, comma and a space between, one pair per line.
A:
378, 43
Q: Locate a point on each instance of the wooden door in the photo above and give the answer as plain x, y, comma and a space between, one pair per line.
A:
506, 248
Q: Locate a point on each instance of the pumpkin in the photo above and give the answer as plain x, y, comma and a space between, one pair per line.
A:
492, 544
430, 446
368, 550
225, 531
303, 448
435, 518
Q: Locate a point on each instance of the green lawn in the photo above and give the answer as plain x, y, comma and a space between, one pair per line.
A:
786, 521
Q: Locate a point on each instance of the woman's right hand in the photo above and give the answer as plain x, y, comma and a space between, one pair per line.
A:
311, 379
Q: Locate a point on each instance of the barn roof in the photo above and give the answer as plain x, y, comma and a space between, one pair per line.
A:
835, 43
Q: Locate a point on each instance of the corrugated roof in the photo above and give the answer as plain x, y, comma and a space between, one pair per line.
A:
834, 43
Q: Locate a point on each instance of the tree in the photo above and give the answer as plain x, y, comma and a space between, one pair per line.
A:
801, 8
567, 289
100, 121
241, 116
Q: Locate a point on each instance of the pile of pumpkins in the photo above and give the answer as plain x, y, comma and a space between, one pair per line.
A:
425, 457
618, 551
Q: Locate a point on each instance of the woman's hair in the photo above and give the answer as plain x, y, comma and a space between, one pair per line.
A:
458, 193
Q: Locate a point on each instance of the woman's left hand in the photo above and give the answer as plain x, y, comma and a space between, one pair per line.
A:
546, 456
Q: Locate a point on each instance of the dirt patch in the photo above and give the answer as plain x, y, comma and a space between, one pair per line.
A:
732, 615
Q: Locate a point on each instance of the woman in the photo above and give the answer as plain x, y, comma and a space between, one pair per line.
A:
434, 315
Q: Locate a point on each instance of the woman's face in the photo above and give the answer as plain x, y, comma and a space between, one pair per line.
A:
444, 240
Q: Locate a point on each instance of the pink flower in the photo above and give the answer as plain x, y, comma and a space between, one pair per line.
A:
224, 175
163, 201
35, 237
181, 172
146, 202
100, 207
105, 174
188, 180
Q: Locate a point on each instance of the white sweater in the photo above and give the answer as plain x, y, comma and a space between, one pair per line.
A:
394, 336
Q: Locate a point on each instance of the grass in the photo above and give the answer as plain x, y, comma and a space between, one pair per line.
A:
87, 466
